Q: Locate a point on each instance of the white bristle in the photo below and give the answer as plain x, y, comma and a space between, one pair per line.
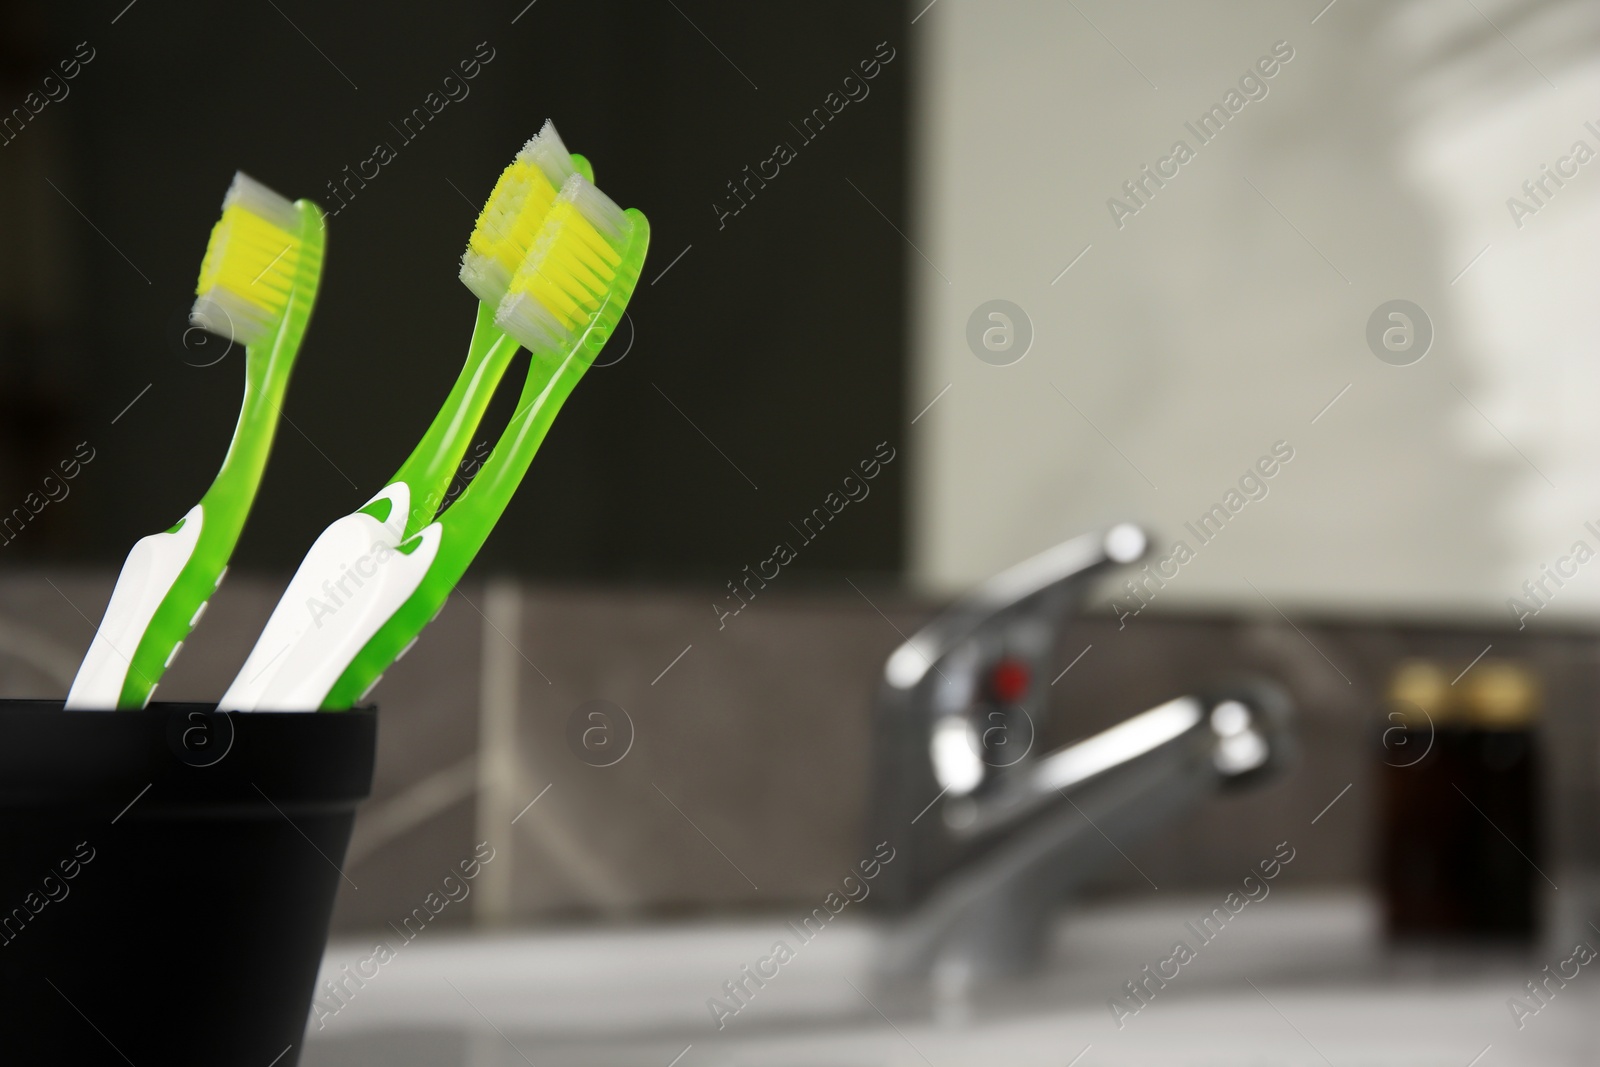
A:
546, 151
260, 200
250, 263
522, 316
230, 316
486, 279
601, 211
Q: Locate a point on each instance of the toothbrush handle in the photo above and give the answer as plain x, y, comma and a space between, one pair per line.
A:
327, 612
432, 465
427, 472
466, 524
451, 542
362, 594
168, 578
349, 582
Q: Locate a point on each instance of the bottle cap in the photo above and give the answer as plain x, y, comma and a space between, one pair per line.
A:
1421, 684
1501, 695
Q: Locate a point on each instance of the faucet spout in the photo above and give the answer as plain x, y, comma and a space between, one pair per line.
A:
995, 834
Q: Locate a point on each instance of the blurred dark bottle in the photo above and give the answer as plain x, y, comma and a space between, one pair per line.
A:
1459, 804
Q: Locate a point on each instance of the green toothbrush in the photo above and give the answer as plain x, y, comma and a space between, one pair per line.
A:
336, 602
563, 347
257, 285
500, 240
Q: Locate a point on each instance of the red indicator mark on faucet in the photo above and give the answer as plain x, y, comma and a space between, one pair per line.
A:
1008, 681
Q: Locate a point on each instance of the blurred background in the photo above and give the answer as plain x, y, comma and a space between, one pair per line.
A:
1302, 288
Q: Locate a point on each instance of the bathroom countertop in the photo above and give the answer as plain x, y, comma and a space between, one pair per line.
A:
1293, 978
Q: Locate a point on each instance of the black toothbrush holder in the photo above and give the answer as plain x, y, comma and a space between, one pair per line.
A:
167, 877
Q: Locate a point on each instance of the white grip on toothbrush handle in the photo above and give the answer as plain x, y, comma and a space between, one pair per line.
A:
152, 566
349, 584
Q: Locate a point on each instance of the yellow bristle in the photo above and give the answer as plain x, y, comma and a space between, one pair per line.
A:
511, 219
509, 222
250, 257
250, 264
565, 279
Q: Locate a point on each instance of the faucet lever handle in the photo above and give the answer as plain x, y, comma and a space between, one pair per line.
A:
1038, 588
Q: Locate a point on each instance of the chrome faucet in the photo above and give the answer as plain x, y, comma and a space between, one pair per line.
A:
991, 834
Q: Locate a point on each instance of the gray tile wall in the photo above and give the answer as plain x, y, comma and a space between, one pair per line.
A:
746, 777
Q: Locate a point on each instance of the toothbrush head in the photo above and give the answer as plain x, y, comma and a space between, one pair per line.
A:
252, 264
510, 221
574, 284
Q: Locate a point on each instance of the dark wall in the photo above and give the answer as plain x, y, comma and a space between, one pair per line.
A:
778, 335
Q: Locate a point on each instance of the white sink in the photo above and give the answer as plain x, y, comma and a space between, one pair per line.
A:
1292, 981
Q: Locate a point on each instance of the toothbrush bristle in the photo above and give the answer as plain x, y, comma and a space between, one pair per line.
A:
566, 279
511, 218
250, 263
548, 152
